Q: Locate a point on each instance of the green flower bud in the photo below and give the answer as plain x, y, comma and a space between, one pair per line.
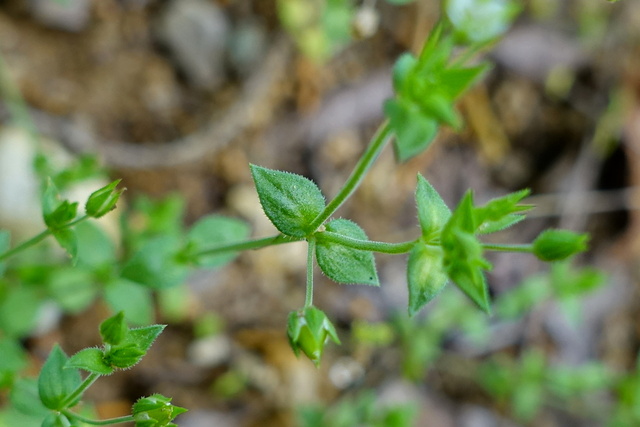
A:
104, 200
556, 245
309, 330
155, 411
124, 357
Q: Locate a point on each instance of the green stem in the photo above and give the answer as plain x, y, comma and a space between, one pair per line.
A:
109, 421
364, 164
367, 245
247, 245
37, 239
91, 378
24, 245
308, 299
528, 248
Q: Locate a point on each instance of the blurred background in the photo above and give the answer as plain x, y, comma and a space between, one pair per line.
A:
177, 97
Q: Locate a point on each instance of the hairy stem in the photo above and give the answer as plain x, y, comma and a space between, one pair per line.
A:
308, 300
109, 421
527, 248
367, 245
362, 167
37, 239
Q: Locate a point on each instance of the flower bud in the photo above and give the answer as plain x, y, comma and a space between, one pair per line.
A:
124, 356
309, 330
155, 411
556, 245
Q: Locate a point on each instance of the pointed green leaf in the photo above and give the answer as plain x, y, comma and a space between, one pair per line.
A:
290, 201
91, 360
440, 107
426, 276
413, 129
66, 238
433, 213
123, 356
73, 288
215, 230
457, 80
343, 264
56, 382
104, 200
143, 337
95, 248
113, 330
403, 71
24, 397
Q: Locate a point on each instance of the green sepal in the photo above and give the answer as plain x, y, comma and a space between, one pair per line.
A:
440, 107
114, 329
290, 201
502, 212
433, 213
55, 419
343, 264
91, 360
155, 411
5, 244
308, 330
215, 230
413, 129
56, 212
463, 260
104, 200
57, 382
426, 275
557, 245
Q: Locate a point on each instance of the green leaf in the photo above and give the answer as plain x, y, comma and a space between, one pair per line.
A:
155, 264
290, 201
14, 357
74, 289
104, 200
426, 276
5, 244
433, 213
66, 238
56, 383
113, 330
143, 337
95, 247
440, 107
216, 230
134, 299
413, 129
454, 81
18, 310
91, 360
403, 71
343, 264
50, 200
24, 397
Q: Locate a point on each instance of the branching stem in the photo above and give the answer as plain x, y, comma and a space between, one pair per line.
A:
362, 167
367, 245
527, 248
308, 300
